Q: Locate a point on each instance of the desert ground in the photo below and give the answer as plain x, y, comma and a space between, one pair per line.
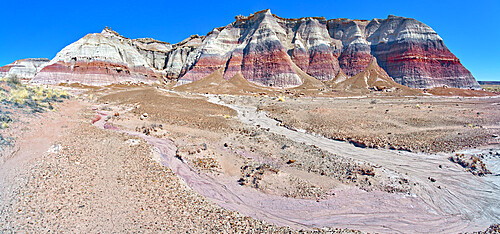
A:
492, 88
157, 159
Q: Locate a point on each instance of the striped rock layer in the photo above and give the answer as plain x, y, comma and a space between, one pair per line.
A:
267, 50
98, 59
24, 68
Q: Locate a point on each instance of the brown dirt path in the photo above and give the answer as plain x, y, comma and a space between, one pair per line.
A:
35, 140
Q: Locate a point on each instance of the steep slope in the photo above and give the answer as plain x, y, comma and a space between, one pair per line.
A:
24, 68
311, 47
269, 51
154, 51
415, 55
340, 77
356, 53
98, 59
265, 58
373, 77
251, 46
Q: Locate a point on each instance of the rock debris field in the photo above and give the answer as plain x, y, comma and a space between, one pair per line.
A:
145, 159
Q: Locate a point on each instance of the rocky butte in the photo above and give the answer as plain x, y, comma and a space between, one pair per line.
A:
269, 51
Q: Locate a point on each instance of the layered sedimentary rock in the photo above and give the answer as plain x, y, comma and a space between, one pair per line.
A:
153, 51
312, 48
98, 59
252, 46
24, 68
268, 50
182, 57
408, 50
414, 55
356, 52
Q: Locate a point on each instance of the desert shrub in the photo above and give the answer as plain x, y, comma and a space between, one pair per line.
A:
5, 117
3, 95
35, 97
5, 141
30, 98
13, 80
19, 96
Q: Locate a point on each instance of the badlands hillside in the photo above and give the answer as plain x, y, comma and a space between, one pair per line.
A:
266, 125
266, 50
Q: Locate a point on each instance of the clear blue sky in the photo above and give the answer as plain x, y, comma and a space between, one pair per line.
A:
32, 28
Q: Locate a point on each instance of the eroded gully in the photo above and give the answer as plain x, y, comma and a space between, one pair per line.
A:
462, 202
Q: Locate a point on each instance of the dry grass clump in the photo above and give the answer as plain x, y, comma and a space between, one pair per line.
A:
16, 98
38, 98
5, 119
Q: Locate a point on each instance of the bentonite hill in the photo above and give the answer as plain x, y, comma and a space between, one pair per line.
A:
265, 49
268, 125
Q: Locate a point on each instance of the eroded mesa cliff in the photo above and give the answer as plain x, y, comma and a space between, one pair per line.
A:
266, 50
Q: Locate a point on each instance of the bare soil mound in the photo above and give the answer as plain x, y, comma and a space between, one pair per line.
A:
340, 77
372, 80
373, 77
308, 82
244, 86
212, 83
446, 91
173, 109
216, 84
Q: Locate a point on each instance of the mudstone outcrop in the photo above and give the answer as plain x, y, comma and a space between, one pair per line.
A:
267, 50
24, 68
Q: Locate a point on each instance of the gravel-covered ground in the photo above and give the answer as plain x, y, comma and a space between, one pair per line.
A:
210, 138
417, 124
66, 175
79, 178
98, 182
